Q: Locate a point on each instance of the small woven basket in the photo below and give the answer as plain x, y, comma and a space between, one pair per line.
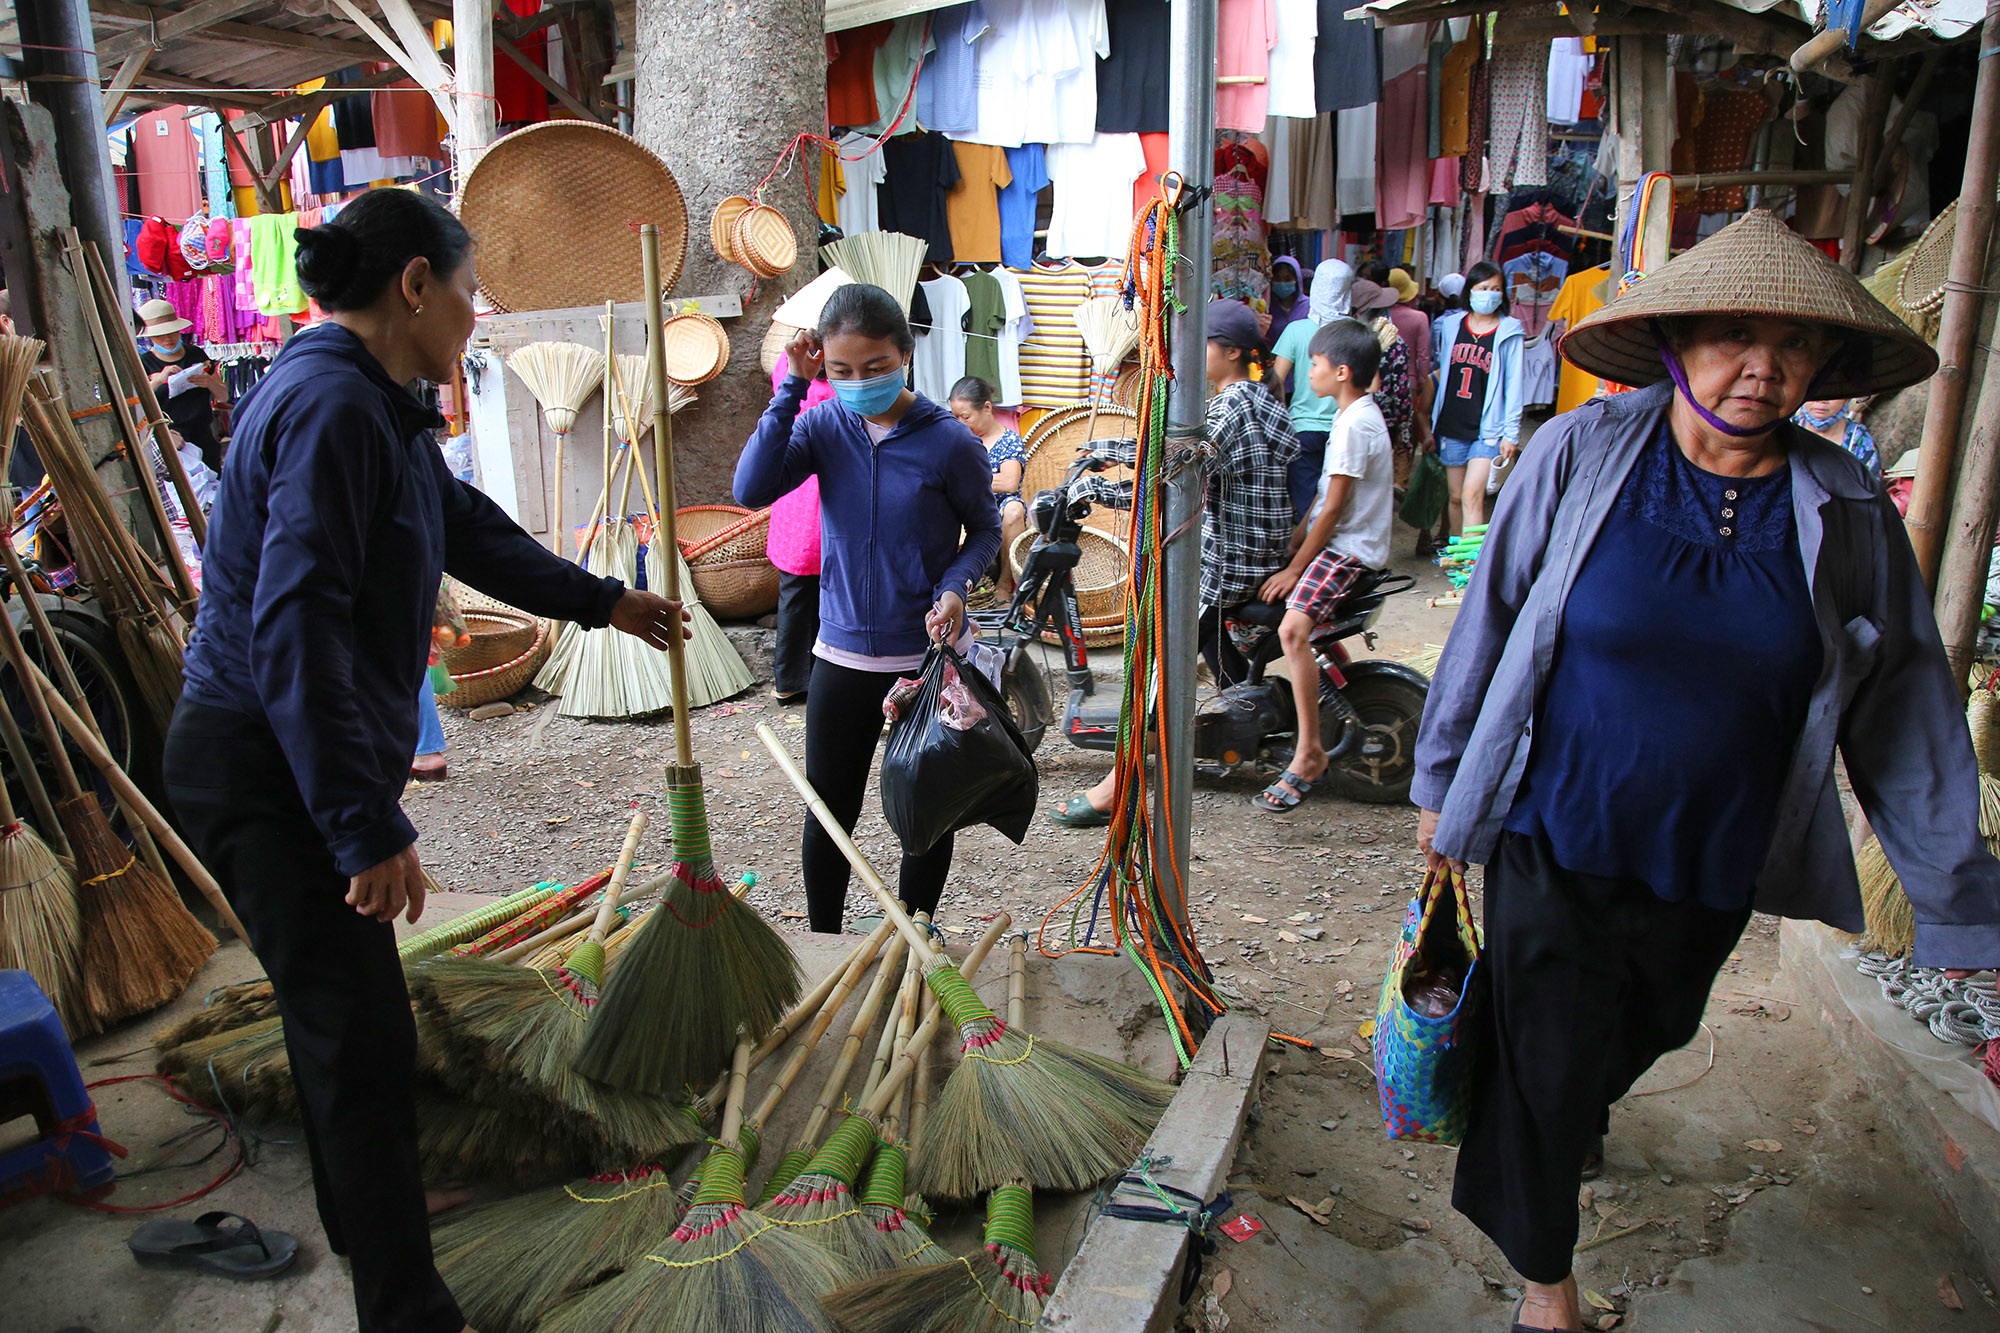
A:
1923, 283
697, 348
1100, 574
695, 524
772, 350
503, 681
724, 547
721, 224
499, 635
736, 589
764, 241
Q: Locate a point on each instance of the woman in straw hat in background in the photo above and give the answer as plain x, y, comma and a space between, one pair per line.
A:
165, 352
1684, 603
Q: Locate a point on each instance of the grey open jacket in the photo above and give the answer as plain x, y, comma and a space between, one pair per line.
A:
1885, 694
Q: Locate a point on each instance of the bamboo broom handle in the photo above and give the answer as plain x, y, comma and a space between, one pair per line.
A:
1017, 980
615, 890
24, 671
897, 1027
906, 1023
72, 687
663, 455
850, 1047
38, 794
891, 909
130, 795
739, 1083
561, 930
848, 977
906, 1059
920, 1079
645, 485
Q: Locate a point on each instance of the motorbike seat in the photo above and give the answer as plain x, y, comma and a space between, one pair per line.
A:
1269, 615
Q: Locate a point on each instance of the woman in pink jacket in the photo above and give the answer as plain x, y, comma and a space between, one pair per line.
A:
793, 546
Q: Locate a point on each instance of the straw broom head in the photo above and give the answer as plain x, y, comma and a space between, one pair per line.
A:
41, 927
141, 945
821, 1203
998, 1290
243, 1072
703, 966
616, 676
224, 1010
18, 358
887, 259
1109, 329
715, 670
511, 1262
561, 375
632, 397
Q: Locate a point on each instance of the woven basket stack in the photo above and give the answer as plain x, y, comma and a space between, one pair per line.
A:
724, 547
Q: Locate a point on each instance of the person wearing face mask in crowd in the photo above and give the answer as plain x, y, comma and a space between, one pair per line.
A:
900, 478
1476, 412
1288, 299
165, 352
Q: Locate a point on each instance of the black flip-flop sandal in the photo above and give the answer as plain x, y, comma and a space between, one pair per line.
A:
241, 1252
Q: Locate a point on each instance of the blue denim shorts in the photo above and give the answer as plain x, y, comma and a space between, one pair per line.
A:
1457, 453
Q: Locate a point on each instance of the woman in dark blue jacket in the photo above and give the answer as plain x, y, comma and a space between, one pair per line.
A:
289, 750
899, 479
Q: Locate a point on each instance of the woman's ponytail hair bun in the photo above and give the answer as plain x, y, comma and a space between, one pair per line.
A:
349, 262
327, 261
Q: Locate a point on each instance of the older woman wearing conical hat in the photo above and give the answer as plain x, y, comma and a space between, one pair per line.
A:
1685, 603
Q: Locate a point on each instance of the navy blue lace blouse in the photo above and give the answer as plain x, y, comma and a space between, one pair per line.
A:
1687, 656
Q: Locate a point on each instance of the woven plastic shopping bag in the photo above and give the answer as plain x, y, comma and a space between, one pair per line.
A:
1423, 1063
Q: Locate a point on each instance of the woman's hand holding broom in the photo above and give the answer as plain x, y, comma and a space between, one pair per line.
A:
390, 888
649, 617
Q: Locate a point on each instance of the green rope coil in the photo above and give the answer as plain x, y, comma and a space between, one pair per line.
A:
1010, 1219
885, 1177
687, 814
955, 995
789, 1167
721, 1178
588, 962
845, 1151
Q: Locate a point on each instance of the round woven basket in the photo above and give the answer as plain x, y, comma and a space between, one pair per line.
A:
499, 635
503, 681
772, 350
1922, 285
733, 577
765, 242
1052, 446
736, 589
721, 226
697, 348
695, 524
550, 206
1100, 574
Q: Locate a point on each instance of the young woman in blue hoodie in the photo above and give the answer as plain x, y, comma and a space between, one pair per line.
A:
899, 479
290, 746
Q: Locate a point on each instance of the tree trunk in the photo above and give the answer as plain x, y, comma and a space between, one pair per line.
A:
721, 90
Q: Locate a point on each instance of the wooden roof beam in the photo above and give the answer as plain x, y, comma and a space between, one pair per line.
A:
162, 30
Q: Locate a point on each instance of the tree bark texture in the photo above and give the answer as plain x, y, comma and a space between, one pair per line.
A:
722, 87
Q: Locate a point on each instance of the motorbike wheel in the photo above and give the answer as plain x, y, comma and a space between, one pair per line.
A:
1379, 768
1026, 691
113, 697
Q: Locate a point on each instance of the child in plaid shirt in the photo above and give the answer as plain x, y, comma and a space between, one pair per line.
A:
1346, 533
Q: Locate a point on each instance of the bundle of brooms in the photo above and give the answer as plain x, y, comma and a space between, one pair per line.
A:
513, 1261
1018, 1107
704, 966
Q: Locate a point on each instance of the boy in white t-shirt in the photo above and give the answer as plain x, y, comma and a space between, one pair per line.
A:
1346, 533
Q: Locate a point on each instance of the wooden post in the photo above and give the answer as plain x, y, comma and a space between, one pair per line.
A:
1874, 111
1961, 591
1644, 106
472, 71
1930, 498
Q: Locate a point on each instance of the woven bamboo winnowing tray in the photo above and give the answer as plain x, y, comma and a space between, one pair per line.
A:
764, 241
1052, 446
552, 208
721, 226
697, 348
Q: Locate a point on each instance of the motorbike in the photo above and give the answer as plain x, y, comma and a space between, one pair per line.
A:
1370, 708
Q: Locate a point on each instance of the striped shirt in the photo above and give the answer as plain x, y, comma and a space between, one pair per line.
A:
1055, 364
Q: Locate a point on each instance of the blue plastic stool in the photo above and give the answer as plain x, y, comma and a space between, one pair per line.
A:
39, 1078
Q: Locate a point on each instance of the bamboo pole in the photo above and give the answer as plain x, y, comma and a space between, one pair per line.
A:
663, 460
1958, 324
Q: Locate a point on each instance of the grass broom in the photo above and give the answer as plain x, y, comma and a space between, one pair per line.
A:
562, 376
513, 1261
705, 966
41, 928
141, 945
998, 1291
725, 1268
883, 1199
1018, 1107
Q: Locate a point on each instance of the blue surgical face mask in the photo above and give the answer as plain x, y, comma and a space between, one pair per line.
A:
1284, 291
167, 347
872, 396
1485, 303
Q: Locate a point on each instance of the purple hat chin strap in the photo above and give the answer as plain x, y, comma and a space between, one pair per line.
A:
1678, 373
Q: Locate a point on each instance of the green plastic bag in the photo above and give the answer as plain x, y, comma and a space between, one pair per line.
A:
1424, 498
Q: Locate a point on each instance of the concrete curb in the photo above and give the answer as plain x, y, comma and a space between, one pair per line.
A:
1958, 1153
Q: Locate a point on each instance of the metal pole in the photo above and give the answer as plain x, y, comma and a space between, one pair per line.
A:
1958, 324
60, 56
1191, 154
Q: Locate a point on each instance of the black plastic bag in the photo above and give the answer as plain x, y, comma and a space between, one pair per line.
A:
948, 767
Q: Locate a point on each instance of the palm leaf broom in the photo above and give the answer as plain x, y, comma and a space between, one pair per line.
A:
1018, 1107
704, 966
562, 376
725, 1268
886, 259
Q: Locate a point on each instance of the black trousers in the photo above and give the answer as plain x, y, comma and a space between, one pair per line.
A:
843, 726
340, 992
1590, 981
798, 627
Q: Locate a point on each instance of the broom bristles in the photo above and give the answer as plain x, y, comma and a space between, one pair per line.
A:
511, 1262
224, 1010
701, 968
1890, 921
998, 1290
141, 945
41, 926
561, 375
616, 676
715, 670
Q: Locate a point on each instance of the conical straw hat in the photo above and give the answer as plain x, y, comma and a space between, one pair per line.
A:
1754, 266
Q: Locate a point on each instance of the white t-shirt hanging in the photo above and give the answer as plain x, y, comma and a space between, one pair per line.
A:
857, 210
940, 354
1568, 68
1092, 215
1291, 78
1354, 159
1037, 71
1062, 102
1014, 307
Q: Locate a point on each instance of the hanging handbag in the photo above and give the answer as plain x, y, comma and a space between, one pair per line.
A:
1428, 492
1423, 1062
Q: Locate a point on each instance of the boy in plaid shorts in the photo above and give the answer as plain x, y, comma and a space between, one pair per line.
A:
1346, 532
